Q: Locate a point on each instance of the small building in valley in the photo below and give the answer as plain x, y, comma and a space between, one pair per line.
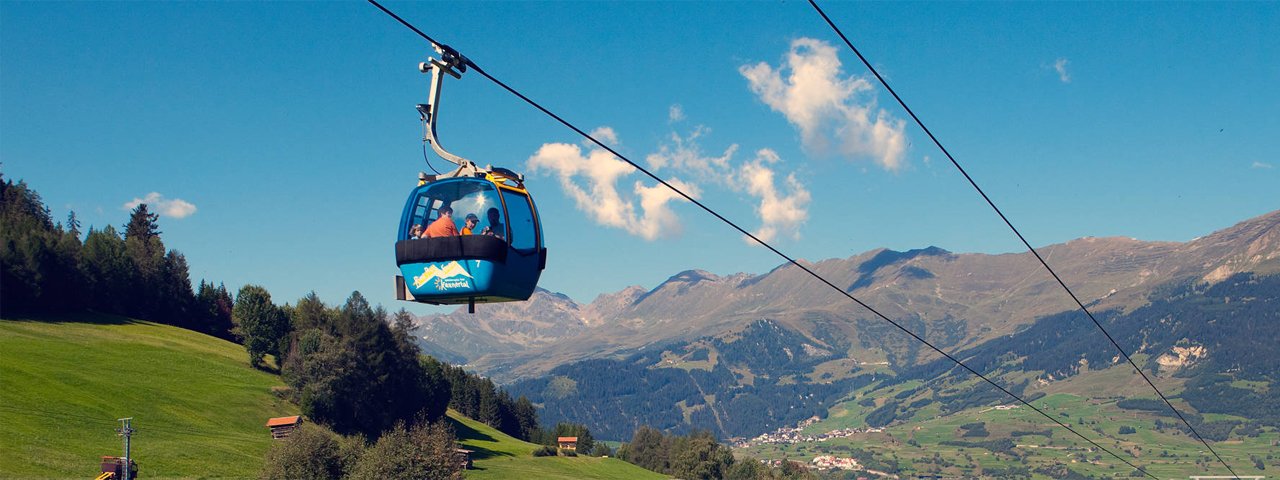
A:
568, 443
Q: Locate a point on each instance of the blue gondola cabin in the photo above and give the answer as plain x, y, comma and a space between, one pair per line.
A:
498, 257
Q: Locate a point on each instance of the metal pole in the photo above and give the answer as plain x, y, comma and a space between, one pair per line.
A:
126, 430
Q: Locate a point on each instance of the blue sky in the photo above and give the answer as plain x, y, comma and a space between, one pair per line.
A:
281, 138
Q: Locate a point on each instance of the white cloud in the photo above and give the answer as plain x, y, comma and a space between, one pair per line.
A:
684, 154
591, 181
591, 178
172, 208
675, 113
779, 212
1060, 66
830, 110
1261, 165
605, 135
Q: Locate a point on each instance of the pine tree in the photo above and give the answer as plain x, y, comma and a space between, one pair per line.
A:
142, 223
146, 253
73, 225
527, 417
214, 309
178, 301
311, 312
106, 269
27, 239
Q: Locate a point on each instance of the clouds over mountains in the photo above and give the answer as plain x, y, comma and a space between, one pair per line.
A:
834, 113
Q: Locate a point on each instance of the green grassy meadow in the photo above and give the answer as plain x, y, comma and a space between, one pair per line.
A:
198, 409
502, 457
917, 444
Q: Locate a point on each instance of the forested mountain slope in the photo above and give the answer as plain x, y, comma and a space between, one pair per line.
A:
958, 300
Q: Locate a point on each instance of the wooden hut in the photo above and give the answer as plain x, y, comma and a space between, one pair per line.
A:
463, 457
281, 427
568, 443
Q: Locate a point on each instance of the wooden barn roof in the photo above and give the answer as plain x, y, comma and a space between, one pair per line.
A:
284, 421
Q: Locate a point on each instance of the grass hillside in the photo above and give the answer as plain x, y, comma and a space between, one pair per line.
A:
197, 408
920, 445
500, 456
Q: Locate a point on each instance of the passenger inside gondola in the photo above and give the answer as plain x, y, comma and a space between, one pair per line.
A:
471, 222
443, 226
495, 227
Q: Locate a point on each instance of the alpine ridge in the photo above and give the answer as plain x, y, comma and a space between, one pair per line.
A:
975, 297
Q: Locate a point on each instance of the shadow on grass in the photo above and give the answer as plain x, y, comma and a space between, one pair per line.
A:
93, 318
464, 432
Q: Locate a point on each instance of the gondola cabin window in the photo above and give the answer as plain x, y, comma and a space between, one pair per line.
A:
476, 197
523, 224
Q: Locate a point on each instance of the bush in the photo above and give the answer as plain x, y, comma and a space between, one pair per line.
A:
1126, 430
423, 451
545, 451
311, 452
568, 453
601, 450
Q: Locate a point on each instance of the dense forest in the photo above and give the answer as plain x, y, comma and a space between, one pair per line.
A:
47, 267
620, 396
698, 456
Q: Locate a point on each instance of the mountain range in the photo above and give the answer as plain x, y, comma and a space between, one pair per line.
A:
957, 300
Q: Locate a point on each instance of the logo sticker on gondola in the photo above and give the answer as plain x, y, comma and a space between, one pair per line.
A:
445, 278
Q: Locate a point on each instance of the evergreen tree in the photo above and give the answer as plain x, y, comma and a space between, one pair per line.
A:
648, 449
65, 288
106, 270
490, 410
178, 301
143, 224
214, 309
321, 372
73, 225
527, 418
146, 253
363, 378
311, 312
27, 247
435, 388
699, 456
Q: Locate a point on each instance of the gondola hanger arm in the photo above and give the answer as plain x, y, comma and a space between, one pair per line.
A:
454, 64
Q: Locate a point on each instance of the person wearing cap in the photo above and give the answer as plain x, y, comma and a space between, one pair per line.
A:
472, 221
443, 226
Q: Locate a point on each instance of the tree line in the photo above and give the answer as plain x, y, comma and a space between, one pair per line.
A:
47, 267
357, 369
699, 456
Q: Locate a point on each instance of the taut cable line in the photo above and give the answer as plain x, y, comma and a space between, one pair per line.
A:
1016, 232
756, 239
